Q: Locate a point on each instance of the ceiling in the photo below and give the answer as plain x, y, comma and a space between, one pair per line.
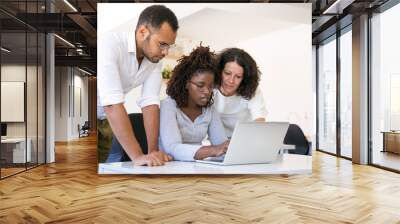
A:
238, 26
76, 22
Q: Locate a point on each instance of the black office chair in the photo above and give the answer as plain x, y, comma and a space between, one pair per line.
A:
136, 120
86, 126
84, 130
295, 136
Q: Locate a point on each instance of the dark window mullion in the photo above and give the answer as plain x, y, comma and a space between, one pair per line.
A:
37, 91
317, 95
44, 79
0, 99
369, 90
338, 92
26, 87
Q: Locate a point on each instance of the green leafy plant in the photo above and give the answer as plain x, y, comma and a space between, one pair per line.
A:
166, 72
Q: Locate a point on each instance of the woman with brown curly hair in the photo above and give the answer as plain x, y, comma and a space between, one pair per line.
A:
186, 116
237, 96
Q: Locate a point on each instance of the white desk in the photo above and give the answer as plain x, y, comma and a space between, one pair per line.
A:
19, 149
285, 164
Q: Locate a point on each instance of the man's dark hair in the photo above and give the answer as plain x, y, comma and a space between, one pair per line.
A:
156, 15
198, 61
251, 73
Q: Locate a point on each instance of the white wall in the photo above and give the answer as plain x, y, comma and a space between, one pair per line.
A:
79, 117
67, 112
286, 80
61, 103
12, 101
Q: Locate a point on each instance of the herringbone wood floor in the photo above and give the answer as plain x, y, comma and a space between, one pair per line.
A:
70, 191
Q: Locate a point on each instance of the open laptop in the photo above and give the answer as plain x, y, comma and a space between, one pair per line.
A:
252, 142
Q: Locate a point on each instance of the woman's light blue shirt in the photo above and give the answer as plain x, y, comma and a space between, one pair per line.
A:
181, 137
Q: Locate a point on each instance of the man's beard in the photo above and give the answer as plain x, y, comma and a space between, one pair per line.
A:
152, 60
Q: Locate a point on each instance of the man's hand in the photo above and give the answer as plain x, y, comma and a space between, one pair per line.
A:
157, 158
163, 155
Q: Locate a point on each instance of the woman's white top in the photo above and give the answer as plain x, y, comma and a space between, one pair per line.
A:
236, 108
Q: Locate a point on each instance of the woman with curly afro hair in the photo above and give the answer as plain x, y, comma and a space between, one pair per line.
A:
186, 115
237, 96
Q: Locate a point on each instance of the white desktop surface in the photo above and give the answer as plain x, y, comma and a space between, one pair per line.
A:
12, 140
19, 150
285, 164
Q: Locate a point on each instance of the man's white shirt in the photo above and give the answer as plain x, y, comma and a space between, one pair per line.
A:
119, 72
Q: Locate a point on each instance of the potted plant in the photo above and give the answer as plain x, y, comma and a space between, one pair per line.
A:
166, 72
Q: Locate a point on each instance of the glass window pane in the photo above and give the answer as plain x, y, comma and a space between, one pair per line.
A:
346, 94
327, 96
23, 87
13, 84
31, 101
41, 98
386, 88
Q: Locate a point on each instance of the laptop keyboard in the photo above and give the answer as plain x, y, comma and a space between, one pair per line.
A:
216, 159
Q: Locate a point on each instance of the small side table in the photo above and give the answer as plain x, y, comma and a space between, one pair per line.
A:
391, 141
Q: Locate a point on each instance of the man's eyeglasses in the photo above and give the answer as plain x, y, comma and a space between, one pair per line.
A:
202, 87
162, 46
165, 46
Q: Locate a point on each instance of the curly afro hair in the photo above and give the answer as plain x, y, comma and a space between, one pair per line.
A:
251, 73
200, 60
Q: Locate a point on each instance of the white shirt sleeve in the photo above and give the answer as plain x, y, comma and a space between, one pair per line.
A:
151, 89
257, 106
108, 78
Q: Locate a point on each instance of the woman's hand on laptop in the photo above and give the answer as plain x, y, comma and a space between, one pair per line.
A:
211, 151
221, 149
